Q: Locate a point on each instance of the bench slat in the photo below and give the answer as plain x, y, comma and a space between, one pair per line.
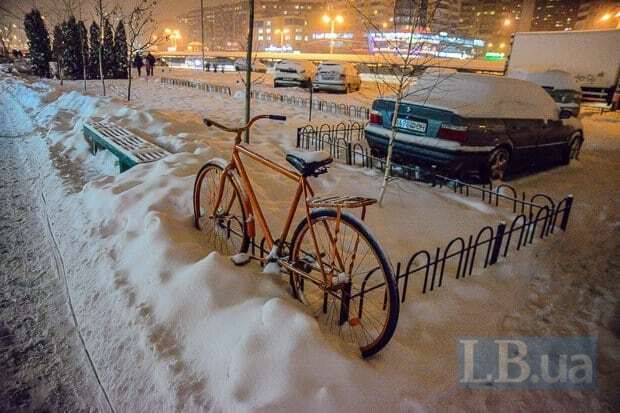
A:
129, 148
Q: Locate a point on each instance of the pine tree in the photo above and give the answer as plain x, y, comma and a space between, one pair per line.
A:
58, 47
120, 51
73, 50
93, 56
38, 43
109, 63
83, 34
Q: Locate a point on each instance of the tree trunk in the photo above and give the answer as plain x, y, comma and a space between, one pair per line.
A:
390, 149
248, 69
101, 47
129, 79
83, 60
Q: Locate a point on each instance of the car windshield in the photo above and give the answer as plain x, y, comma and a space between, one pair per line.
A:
564, 95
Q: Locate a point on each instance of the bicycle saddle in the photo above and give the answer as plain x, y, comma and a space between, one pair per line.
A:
309, 163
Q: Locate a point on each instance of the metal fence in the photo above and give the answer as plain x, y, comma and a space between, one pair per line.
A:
194, 84
341, 109
538, 216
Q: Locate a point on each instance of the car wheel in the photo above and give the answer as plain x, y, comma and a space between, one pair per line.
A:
496, 166
572, 149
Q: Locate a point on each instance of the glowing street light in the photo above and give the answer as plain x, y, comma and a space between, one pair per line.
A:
607, 16
333, 20
507, 22
173, 35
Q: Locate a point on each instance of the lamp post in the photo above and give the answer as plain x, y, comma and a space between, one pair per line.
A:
202, 32
282, 32
333, 20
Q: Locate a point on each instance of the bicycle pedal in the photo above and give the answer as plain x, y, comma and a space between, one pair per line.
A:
240, 259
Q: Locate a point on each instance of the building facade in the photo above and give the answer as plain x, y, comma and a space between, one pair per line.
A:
554, 15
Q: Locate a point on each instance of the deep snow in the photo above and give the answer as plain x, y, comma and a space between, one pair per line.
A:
175, 326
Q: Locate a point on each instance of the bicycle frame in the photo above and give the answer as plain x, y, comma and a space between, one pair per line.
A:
252, 205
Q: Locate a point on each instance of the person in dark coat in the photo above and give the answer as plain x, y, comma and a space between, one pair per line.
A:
150, 63
138, 63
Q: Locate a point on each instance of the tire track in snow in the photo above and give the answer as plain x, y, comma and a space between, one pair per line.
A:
15, 123
61, 273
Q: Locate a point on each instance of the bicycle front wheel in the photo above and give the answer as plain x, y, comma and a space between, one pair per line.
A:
362, 304
224, 226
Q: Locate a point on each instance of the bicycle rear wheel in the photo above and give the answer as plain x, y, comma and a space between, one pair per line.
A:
363, 308
225, 230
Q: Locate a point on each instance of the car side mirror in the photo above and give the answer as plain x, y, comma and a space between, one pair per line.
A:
565, 114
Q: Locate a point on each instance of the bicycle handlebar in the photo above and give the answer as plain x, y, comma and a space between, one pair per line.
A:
240, 129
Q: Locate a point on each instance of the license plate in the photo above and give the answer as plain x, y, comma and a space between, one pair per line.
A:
412, 125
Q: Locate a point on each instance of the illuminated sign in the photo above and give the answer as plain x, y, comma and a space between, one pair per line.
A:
494, 56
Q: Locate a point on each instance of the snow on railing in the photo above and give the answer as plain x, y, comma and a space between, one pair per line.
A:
194, 84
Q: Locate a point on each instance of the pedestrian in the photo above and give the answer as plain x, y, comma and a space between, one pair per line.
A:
138, 63
150, 63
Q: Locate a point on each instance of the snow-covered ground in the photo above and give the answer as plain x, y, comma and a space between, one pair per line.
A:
173, 325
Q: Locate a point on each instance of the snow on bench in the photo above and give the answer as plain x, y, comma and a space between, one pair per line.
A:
127, 147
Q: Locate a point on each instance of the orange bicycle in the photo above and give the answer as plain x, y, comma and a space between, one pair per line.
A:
336, 266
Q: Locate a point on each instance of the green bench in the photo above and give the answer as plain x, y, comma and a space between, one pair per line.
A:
127, 147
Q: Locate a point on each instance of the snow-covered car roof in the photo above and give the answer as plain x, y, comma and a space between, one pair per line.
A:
482, 96
555, 79
295, 64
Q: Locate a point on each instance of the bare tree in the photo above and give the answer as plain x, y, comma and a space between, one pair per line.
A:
405, 60
103, 15
141, 29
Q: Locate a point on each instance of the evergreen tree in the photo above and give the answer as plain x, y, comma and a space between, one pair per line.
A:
93, 57
107, 55
120, 51
73, 50
83, 34
58, 49
38, 43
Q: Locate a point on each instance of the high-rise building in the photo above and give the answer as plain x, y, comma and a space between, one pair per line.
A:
552, 15
493, 21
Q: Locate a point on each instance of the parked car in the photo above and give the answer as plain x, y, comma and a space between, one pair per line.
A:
338, 76
475, 124
561, 85
293, 73
257, 65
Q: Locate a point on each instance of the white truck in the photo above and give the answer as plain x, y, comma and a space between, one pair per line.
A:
591, 56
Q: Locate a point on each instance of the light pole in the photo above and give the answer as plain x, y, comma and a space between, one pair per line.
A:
333, 20
282, 32
202, 32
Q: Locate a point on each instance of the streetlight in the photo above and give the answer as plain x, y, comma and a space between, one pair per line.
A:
173, 35
607, 16
282, 33
507, 22
333, 20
